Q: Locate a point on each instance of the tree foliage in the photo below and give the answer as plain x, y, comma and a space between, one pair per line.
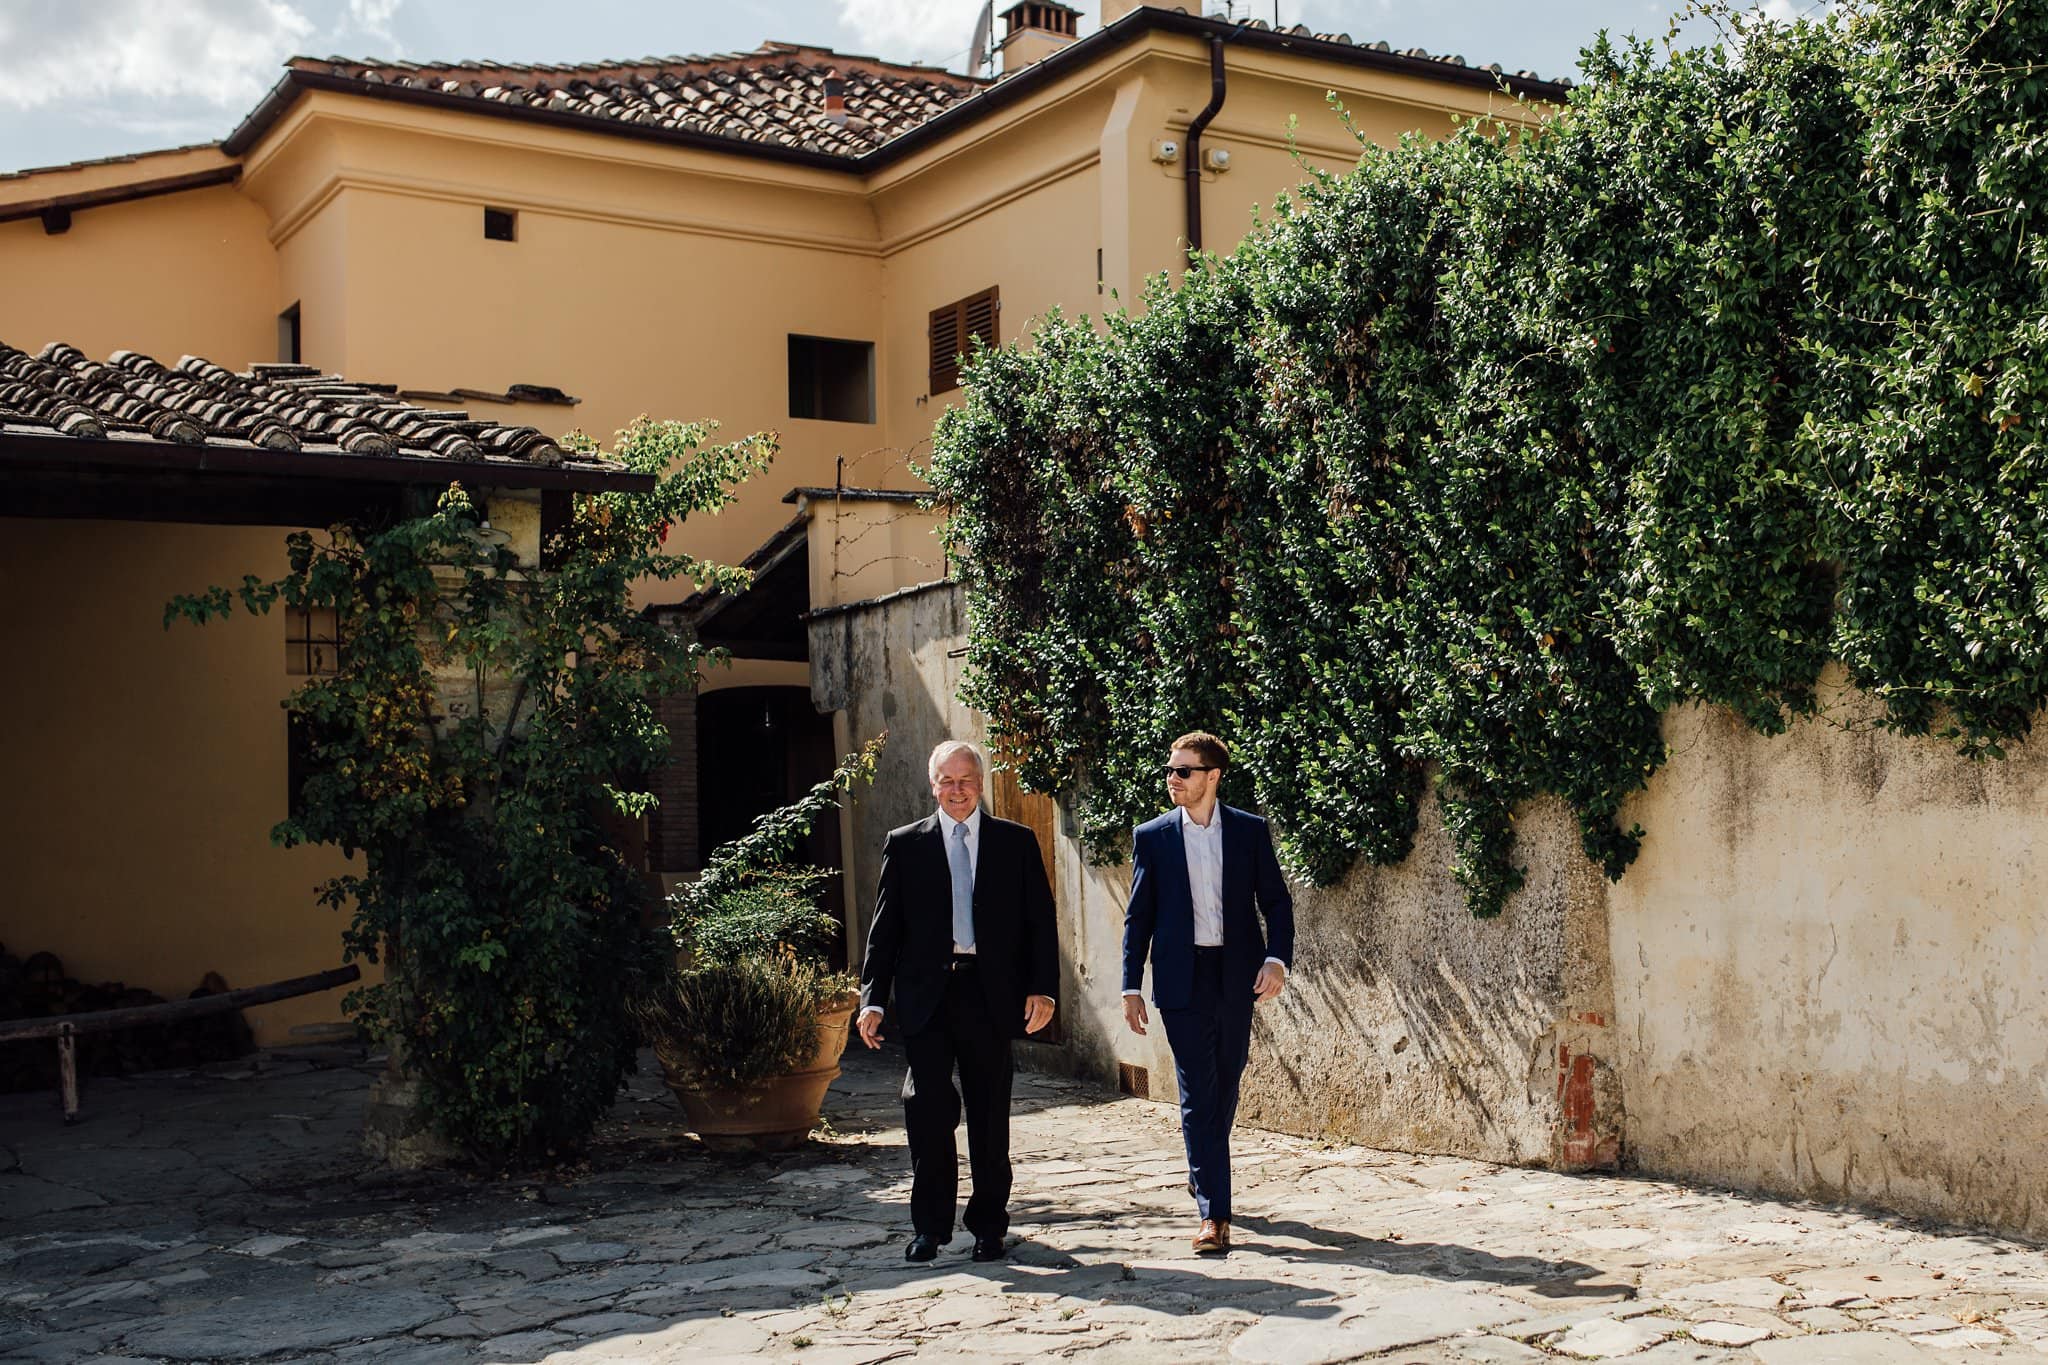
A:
1472, 460
485, 817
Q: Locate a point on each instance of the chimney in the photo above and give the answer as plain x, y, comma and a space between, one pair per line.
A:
1034, 30
1113, 10
835, 98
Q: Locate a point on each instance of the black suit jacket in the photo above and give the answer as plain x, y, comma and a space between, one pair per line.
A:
910, 942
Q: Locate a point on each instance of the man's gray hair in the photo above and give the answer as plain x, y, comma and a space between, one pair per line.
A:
947, 749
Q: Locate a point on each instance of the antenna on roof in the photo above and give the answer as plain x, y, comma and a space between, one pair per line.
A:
981, 54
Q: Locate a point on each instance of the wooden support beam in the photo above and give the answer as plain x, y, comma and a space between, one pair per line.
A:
100, 1021
67, 1072
65, 1028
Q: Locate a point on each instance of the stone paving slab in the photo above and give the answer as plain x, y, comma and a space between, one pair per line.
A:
228, 1216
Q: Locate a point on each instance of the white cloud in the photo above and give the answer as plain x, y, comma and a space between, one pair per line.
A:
217, 53
913, 30
374, 18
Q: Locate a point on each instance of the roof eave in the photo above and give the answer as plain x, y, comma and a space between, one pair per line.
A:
1145, 19
74, 452
287, 91
80, 200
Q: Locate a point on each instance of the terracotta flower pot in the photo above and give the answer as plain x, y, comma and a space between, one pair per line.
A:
771, 1115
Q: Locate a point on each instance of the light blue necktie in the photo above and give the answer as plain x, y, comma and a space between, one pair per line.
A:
963, 886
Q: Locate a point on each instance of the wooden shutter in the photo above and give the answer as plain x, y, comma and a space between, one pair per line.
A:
952, 328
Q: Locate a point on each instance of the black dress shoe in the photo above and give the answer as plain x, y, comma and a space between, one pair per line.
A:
988, 1248
921, 1248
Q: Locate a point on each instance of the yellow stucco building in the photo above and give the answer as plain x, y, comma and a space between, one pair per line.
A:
790, 239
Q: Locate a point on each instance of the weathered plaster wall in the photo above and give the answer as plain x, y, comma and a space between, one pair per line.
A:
1820, 979
1408, 1024
881, 666
1828, 970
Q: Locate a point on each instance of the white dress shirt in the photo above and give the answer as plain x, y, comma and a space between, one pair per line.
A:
1203, 846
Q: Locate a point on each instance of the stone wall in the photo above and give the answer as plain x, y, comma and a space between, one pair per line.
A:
1820, 978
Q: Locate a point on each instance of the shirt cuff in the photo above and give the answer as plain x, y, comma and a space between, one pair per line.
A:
1139, 994
866, 1010
1278, 963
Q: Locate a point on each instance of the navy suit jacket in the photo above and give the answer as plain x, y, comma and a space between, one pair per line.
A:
1161, 916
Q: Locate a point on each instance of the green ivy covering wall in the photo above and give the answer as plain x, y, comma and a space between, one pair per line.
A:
1471, 461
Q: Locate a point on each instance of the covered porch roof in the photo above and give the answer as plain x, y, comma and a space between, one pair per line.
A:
132, 439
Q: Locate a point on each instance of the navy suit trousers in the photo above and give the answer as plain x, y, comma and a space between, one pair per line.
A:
1210, 1039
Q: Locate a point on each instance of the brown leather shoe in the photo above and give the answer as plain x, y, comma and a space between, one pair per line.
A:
1213, 1239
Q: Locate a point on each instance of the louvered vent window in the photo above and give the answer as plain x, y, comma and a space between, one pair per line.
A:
952, 331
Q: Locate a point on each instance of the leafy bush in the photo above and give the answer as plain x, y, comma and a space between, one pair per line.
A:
739, 1022
1471, 461
774, 916
742, 1004
488, 824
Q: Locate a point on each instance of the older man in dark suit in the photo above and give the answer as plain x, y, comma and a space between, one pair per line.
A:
964, 933
1205, 874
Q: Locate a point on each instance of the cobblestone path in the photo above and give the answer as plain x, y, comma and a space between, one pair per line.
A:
227, 1216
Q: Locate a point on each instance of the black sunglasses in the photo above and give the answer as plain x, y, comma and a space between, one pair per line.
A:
1183, 771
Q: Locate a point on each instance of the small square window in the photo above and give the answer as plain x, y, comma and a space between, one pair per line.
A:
311, 646
501, 225
831, 380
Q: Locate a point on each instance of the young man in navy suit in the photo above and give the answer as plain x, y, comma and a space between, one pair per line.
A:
1205, 875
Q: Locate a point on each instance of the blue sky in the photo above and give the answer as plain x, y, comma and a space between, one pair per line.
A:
91, 78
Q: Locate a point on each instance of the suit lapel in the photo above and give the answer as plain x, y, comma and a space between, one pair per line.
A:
1174, 851
935, 844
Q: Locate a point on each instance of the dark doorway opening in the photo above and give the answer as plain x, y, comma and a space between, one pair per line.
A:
759, 748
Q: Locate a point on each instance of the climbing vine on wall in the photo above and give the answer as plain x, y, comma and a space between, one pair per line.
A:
1469, 462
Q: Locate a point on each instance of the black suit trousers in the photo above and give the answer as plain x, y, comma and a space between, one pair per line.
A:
961, 1035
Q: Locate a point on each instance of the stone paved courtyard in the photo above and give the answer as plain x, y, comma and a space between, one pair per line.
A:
227, 1216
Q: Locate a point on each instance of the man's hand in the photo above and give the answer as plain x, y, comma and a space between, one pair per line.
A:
1134, 1013
1272, 980
1037, 1012
871, 1027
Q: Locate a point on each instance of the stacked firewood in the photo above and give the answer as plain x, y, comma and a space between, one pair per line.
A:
36, 987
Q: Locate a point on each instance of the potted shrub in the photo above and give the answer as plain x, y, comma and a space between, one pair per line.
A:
750, 1024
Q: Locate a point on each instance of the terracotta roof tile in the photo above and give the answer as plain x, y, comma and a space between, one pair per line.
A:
60, 391
775, 95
